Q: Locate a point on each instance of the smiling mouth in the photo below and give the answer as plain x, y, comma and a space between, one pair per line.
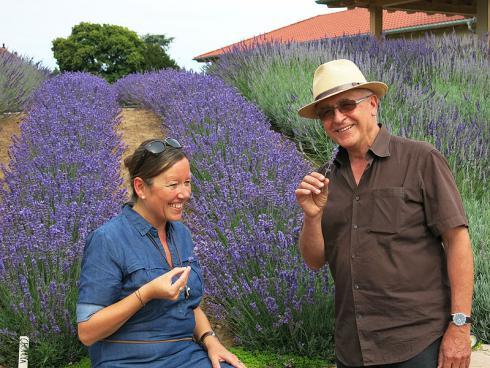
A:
344, 129
176, 205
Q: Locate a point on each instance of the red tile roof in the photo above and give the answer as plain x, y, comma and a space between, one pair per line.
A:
343, 23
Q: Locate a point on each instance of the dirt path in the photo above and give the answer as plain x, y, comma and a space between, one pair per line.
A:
137, 126
9, 126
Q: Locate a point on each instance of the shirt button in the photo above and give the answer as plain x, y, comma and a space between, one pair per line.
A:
358, 316
355, 227
353, 256
357, 197
356, 287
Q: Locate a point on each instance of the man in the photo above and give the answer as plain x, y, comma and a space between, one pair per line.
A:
390, 223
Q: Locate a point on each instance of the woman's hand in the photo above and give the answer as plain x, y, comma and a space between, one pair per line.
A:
312, 194
163, 287
218, 353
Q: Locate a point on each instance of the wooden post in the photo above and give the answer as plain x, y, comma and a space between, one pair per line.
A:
482, 17
376, 20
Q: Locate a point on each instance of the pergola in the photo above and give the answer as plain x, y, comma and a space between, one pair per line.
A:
479, 9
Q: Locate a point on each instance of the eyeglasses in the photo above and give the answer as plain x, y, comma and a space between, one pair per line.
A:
156, 147
347, 105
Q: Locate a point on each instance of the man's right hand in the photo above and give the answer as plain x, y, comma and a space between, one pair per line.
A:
312, 194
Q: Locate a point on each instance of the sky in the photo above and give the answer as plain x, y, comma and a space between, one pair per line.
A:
29, 26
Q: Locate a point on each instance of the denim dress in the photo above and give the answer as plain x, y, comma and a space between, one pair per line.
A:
119, 258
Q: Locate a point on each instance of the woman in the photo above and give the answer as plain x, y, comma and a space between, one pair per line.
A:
140, 283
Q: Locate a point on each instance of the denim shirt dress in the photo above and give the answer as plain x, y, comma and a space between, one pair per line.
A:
118, 259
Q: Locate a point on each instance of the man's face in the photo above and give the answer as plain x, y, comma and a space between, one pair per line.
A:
355, 130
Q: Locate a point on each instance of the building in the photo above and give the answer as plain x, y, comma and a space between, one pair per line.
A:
477, 9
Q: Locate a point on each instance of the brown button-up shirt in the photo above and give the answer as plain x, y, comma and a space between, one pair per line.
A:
383, 245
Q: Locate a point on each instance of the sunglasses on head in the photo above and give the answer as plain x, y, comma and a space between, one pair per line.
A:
156, 147
328, 112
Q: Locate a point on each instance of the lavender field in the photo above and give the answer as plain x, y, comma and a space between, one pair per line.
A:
63, 181
19, 77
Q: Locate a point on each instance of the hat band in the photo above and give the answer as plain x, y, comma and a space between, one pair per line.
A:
337, 89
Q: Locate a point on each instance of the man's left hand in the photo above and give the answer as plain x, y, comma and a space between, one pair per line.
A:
455, 350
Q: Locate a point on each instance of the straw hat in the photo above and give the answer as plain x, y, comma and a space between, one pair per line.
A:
335, 77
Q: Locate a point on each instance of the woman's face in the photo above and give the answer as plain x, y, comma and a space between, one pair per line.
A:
164, 200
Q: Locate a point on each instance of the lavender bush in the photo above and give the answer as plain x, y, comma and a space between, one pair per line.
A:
62, 181
439, 92
244, 217
19, 76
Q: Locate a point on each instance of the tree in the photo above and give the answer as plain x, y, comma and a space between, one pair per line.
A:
110, 51
155, 52
160, 40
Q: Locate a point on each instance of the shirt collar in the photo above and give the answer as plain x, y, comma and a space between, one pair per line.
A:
381, 144
136, 219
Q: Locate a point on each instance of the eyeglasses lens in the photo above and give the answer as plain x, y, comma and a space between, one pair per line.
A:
347, 105
174, 143
328, 112
156, 147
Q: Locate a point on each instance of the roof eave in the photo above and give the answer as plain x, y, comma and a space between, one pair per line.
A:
331, 3
426, 27
206, 59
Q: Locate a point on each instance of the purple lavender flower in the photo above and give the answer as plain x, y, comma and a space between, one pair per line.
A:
62, 182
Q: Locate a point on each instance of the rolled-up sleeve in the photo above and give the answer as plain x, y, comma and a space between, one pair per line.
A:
442, 202
85, 311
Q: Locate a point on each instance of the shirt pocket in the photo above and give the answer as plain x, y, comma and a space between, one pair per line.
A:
135, 277
139, 274
387, 205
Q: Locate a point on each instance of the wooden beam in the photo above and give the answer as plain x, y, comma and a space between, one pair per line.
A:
384, 3
437, 8
376, 21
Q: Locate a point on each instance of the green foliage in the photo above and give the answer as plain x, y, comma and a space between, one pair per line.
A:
478, 217
111, 51
155, 58
257, 359
159, 40
264, 359
84, 363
